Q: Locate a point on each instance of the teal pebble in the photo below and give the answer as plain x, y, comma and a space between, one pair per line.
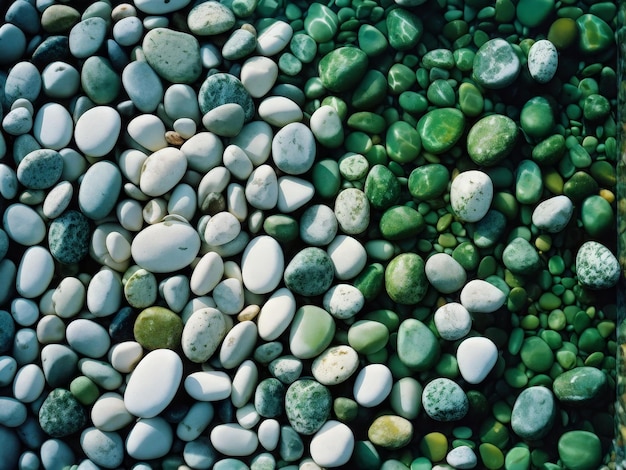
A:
61, 414
68, 237
268, 398
223, 88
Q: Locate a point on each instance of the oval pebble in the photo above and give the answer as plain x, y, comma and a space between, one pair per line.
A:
596, 266
40, 169
445, 273
335, 365
262, 265
471, 193
476, 357
276, 314
332, 445
105, 449
452, 321
109, 413
232, 439
29, 383
34, 272
481, 296
87, 338
203, 333
23, 225
543, 61
97, 130
149, 438
53, 126
553, 215
372, 385
293, 149
444, 400
238, 344
343, 301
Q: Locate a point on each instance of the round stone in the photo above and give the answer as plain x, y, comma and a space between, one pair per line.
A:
68, 237
440, 129
596, 266
223, 88
444, 400
471, 194
335, 365
580, 450
405, 279
162, 48
158, 327
342, 68
310, 272
307, 405
491, 139
390, 432
496, 65
61, 414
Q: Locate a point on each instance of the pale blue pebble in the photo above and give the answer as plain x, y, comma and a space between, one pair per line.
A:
12, 44
152, 22
56, 454
23, 81
29, 461
18, 121
23, 15
99, 190
12, 412
87, 37
143, 86
40, 169
230, 464
9, 450
118, 57
4, 244
87, 465
128, 31
210, 56
60, 80
23, 145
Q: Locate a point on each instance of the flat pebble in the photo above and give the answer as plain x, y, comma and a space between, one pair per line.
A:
232, 439
476, 357
87, 36
352, 210
293, 193
310, 272
390, 432
210, 18
481, 296
276, 314
222, 88
87, 338
23, 225
274, 38
258, 75
162, 47
104, 293
149, 438
534, 413
462, 457
372, 385
143, 86
318, 225
195, 421
332, 445
312, 330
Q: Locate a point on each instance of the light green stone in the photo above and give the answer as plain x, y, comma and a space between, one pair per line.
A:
390, 432
528, 182
283, 228
84, 390
492, 457
366, 121
158, 327
353, 167
400, 78
401, 222
368, 336
405, 279
99, 80
174, 56
321, 22
403, 142
345, 410
61, 414
140, 288
440, 93
594, 34
580, 386
491, 139
303, 47
442, 58
434, 446
440, 129
381, 187
310, 272
417, 346
537, 118
532, 13
312, 330
534, 413
471, 101
580, 450
536, 354
404, 29
370, 281
342, 68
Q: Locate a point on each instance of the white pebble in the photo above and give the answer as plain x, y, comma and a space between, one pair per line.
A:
335, 365
34, 272
258, 75
238, 344
481, 296
343, 301
293, 193
109, 413
553, 214
149, 438
476, 357
233, 440
543, 60
276, 314
87, 338
69, 297
372, 385
25, 312
332, 445
244, 383
348, 256
162, 171
125, 356
29, 383
208, 385
445, 273
262, 265
148, 131
471, 193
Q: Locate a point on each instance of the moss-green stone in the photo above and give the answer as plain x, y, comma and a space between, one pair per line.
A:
491, 139
310, 272
381, 187
405, 279
528, 182
61, 414
536, 354
366, 121
371, 91
158, 327
371, 281
403, 142
550, 150
429, 181
371, 40
282, 227
404, 29
342, 68
580, 450
368, 336
441, 129
581, 385
471, 101
307, 405
580, 186
401, 222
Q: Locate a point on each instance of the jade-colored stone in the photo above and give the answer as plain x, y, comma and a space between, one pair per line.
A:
549, 151
428, 181
440, 93
413, 102
367, 336
401, 222
442, 58
381, 187
405, 279
269, 398
536, 354
310, 272
441, 129
321, 22
517, 458
491, 139
303, 47
489, 229
366, 121
307, 405
400, 78
496, 64
494, 432
404, 29
580, 450
345, 409
563, 32
464, 59
174, 55
528, 182
402, 142
534, 413
311, 331
580, 386
371, 91
532, 13
342, 68
471, 101
326, 178
597, 216
366, 456
84, 390
61, 414
371, 40
492, 457
537, 118
596, 107
371, 281
594, 34
283, 228
158, 327
580, 186
417, 346
444, 400
604, 173
99, 80
466, 255
434, 446
591, 341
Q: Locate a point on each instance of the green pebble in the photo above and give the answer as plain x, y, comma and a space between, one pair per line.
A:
61, 414
326, 178
517, 458
591, 341
489, 229
366, 456
596, 107
464, 59
597, 216
382, 188
368, 336
353, 166
358, 142
321, 22
405, 279
536, 354
537, 118
549, 151
491, 456
580, 186
532, 13
421, 463
269, 398
428, 181
520, 257
400, 78
345, 409
471, 101
84, 390
556, 265
307, 405
371, 40
604, 173
99, 80
441, 94
283, 228
434, 446
158, 327
310, 272
404, 29
390, 432
417, 346
528, 182
441, 129
401, 222
496, 64
563, 33
343, 68
579, 386
594, 34
491, 139
403, 143
367, 122
466, 255
580, 450
549, 301
579, 156
413, 102
370, 281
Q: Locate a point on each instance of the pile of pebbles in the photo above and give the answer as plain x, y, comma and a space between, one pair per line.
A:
281, 234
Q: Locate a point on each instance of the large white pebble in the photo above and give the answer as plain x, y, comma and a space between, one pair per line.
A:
293, 193
23, 225
372, 385
196, 420
203, 333
53, 126
238, 344
109, 413
149, 438
553, 214
153, 383
34, 272
274, 38
148, 131
208, 385
258, 75
262, 265
348, 256
476, 357
104, 293
276, 314
445, 273
471, 194
166, 246
481, 296
452, 321
28, 384
105, 449
244, 383
97, 130
161, 171
87, 338
332, 445
543, 60
233, 440
294, 149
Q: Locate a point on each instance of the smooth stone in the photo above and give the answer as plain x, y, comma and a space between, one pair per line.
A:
59, 18
23, 81
342, 68
258, 75
269, 433
343, 301
444, 400
596, 266
102, 448
390, 432
68, 237
481, 296
489, 229
491, 139
279, 111
293, 193
59, 364
104, 293
143, 86
61, 414
417, 346
332, 445
352, 210
109, 413
580, 386
307, 405
203, 151
18, 121
12, 43
210, 18
23, 15
203, 333
180, 101
149, 438
276, 314
56, 453
269, 398
97, 131
402, 142
240, 44
335, 365
196, 420
58, 199
476, 357
347, 255
153, 383
537, 118
274, 38
87, 338
148, 130
8, 182
452, 321
312, 330
321, 23
208, 385
553, 214
520, 257
7, 333
40, 169
157, 328
99, 190
244, 383
594, 34
166, 246
597, 215
462, 457
23, 225
542, 61
100, 373
287, 369
445, 273
8, 365
222, 88
125, 356
13, 412
406, 397
405, 29
99, 80
381, 187
233, 440
262, 265
325, 123
229, 296
310, 272
293, 149
372, 385
162, 48
496, 65
318, 225
440, 129
428, 181
162, 171
405, 279
225, 120
34, 272
87, 37
160, 7
207, 274
580, 450
471, 194
255, 139
238, 344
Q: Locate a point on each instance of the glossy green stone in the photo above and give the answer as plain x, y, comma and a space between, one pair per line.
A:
341, 69
517, 458
580, 450
604, 173
536, 354
550, 150
99, 80
471, 100
403, 142
326, 178
282, 227
528, 182
520, 257
84, 390
371, 91
440, 93
464, 59
345, 409
489, 229
496, 64
404, 29
491, 139
492, 457
537, 118
382, 188
441, 129
417, 346
401, 222
371, 40
442, 58
563, 32
321, 22
580, 386
596, 107
413, 102
505, 11
370, 281
466, 255
303, 47
367, 336
597, 216
405, 279
594, 34
428, 181
365, 455
366, 121
400, 78
580, 186
532, 13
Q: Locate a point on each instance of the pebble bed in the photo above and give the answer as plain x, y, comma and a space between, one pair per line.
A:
258, 234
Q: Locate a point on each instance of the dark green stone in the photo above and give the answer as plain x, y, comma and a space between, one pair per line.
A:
550, 150
61, 414
343, 68
405, 279
269, 398
307, 405
371, 91
370, 281
441, 129
580, 186
429, 181
382, 188
401, 222
580, 386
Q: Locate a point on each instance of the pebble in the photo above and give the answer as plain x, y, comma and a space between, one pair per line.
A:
311, 332
276, 314
496, 65
40, 169
476, 357
223, 88
109, 413
18, 121
307, 405
596, 266
97, 131
238, 344
153, 383
444, 400
444, 273
274, 38
102, 448
542, 61
405, 279
471, 194
332, 445
580, 386
491, 139
162, 47
125, 356
59, 364
390, 432
372, 385
13, 412
580, 449
149, 438
87, 37
87, 338
481, 296
462, 457
553, 214
195, 421
61, 414
203, 333
258, 75
23, 225
343, 301
143, 86
34, 272
452, 321
162, 171
233, 440
262, 265
55, 453
534, 413
293, 149
310, 272
210, 18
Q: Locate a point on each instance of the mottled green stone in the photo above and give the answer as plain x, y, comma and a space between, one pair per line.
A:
307, 405
491, 139
269, 398
342, 68
381, 187
417, 346
429, 181
580, 386
401, 222
68, 237
157, 328
310, 272
405, 279
441, 129
404, 29
61, 414
580, 450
